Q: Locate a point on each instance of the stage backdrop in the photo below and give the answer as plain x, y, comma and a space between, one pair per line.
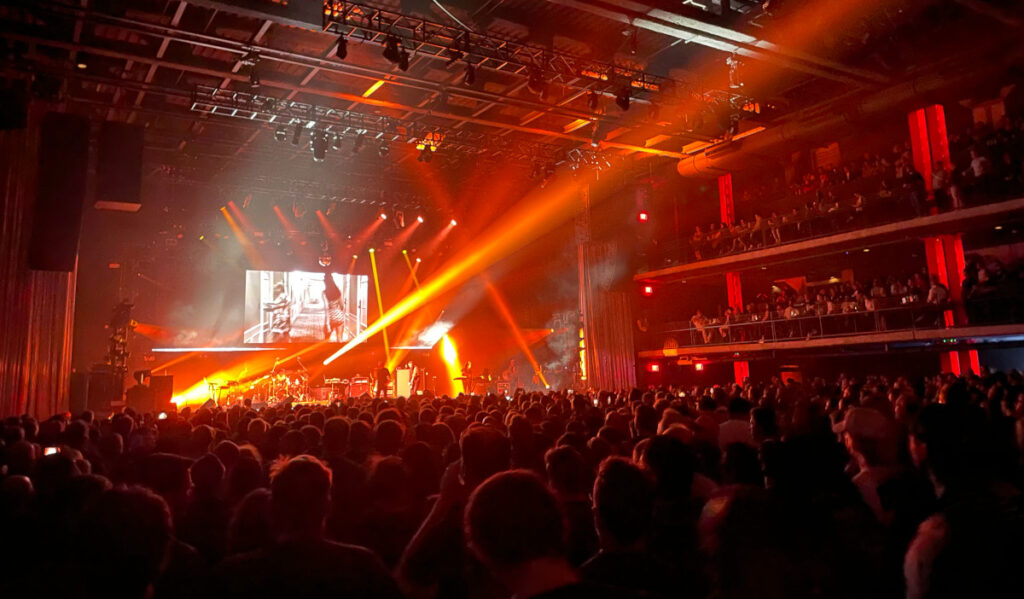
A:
37, 306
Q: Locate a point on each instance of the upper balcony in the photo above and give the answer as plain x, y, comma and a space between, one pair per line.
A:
808, 235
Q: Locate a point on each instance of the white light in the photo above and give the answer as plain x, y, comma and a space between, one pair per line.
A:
419, 218
453, 223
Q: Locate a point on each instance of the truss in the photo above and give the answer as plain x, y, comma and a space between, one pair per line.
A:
290, 113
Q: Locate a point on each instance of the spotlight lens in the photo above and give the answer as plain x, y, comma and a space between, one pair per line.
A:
355, 256
453, 222
419, 218
371, 250
419, 260
383, 216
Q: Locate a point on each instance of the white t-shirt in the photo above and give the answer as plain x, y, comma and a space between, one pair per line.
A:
734, 431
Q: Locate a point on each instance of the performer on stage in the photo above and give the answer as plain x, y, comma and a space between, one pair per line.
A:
467, 369
334, 316
511, 375
382, 378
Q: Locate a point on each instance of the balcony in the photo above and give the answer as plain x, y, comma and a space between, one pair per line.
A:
956, 221
991, 320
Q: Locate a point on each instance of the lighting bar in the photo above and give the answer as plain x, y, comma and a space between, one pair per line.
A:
174, 350
275, 112
432, 39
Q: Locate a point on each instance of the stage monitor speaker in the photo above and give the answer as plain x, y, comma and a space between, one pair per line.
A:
163, 390
119, 167
79, 401
106, 391
60, 192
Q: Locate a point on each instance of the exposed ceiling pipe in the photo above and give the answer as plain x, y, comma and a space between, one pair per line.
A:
839, 120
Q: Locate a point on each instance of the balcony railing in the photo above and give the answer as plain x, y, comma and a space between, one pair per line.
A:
854, 320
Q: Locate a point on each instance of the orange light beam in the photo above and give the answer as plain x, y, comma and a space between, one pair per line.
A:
540, 212
329, 229
506, 314
250, 250
240, 216
380, 305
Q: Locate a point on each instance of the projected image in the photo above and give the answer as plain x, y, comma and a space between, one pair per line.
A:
303, 307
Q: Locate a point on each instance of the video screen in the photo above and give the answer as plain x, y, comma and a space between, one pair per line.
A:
304, 307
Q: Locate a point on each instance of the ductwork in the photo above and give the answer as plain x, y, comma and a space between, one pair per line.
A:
838, 121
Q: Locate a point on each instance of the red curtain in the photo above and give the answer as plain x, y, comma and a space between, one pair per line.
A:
607, 320
36, 307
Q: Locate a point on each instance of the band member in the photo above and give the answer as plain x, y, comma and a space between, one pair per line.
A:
467, 369
511, 374
280, 315
415, 374
382, 378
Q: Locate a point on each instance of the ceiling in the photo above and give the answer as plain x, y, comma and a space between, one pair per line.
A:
185, 71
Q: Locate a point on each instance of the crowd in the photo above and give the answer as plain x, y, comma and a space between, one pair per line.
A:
858, 488
831, 308
986, 162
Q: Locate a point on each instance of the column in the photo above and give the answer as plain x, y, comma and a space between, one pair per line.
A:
945, 253
734, 289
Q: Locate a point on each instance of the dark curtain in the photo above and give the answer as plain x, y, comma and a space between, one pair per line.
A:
36, 307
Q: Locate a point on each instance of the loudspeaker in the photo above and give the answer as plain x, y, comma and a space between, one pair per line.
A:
163, 390
60, 192
79, 401
119, 167
13, 106
106, 390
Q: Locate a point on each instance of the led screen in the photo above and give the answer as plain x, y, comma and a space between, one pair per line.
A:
303, 307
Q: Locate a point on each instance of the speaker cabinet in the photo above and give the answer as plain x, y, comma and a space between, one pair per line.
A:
106, 391
60, 192
79, 401
119, 167
163, 390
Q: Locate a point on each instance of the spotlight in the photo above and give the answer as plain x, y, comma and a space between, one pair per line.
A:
426, 155
384, 149
470, 78
647, 290
622, 98
318, 143
281, 133
403, 60
297, 134
592, 101
698, 366
254, 77
358, 143
335, 142
82, 61
597, 136
383, 216
342, 52
355, 256
419, 219
643, 216
453, 223
391, 52
654, 367
537, 84
419, 260
372, 250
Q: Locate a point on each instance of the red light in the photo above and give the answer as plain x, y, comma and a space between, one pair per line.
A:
654, 367
643, 216
648, 290
699, 366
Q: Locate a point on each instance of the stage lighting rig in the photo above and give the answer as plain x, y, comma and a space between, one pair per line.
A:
297, 133
622, 97
384, 150
391, 52
593, 101
342, 52
537, 84
470, 77
336, 140
426, 154
359, 142
318, 144
281, 133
